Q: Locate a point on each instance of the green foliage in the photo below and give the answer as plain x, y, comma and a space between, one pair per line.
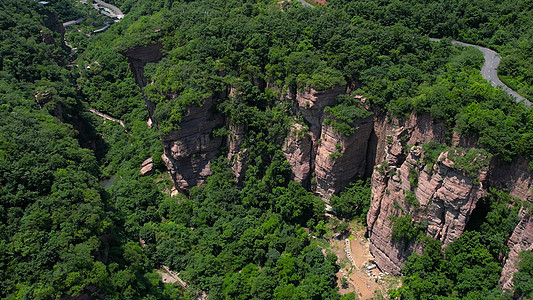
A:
410, 198
499, 223
343, 116
353, 202
470, 162
523, 279
501, 133
453, 273
413, 177
335, 155
325, 78
67, 237
404, 229
432, 151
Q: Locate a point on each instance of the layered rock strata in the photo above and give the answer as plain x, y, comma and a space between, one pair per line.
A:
444, 197
147, 167
521, 240
439, 198
297, 149
340, 158
189, 150
317, 151
518, 180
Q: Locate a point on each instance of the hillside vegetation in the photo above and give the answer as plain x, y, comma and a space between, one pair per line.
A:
64, 235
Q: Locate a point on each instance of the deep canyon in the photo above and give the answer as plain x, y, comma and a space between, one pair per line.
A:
385, 149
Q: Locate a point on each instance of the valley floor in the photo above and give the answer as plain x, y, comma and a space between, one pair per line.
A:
354, 256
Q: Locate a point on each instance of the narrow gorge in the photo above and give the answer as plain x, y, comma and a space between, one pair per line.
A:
438, 197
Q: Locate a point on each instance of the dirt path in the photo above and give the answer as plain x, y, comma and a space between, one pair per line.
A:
106, 117
354, 257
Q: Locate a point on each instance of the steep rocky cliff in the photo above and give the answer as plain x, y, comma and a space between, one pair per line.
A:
521, 240
340, 158
138, 57
517, 179
439, 197
189, 150
298, 151
316, 150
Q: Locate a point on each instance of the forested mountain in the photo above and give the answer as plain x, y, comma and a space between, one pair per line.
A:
259, 114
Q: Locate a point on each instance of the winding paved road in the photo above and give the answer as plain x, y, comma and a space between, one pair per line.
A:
489, 70
116, 12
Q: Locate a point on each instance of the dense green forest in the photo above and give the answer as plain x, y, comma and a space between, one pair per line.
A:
65, 235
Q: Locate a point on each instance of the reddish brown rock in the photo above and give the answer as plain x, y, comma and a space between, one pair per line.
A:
189, 150
521, 240
311, 104
446, 198
147, 167
297, 149
340, 158
518, 180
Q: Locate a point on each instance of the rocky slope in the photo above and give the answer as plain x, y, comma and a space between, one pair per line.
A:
517, 179
340, 158
438, 198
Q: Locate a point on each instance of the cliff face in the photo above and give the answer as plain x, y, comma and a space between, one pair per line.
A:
298, 150
340, 158
521, 240
440, 199
138, 57
189, 150
517, 179
311, 104
316, 150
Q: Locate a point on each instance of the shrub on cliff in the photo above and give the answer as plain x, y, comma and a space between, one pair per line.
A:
523, 279
353, 202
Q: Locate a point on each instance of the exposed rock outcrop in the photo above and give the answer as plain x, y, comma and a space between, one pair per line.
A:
317, 149
311, 104
521, 240
147, 167
189, 150
340, 158
445, 199
301, 145
517, 179
236, 155
297, 149
138, 57
440, 197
